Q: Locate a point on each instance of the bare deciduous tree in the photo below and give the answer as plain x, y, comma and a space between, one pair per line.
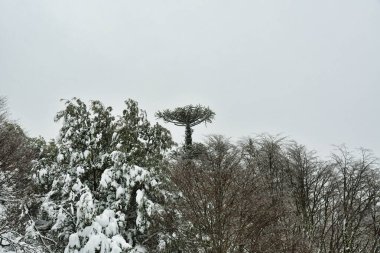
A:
223, 205
16, 154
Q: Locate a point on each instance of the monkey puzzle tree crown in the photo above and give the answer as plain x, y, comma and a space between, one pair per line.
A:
187, 116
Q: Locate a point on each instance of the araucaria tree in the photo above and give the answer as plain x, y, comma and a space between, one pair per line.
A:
106, 185
187, 116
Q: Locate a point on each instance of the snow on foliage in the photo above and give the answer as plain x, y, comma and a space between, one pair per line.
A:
103, 234
102, 180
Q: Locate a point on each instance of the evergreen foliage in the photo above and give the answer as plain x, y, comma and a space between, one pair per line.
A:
99, 197
106, 185
187, 116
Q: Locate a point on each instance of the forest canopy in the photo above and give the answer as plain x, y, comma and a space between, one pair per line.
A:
119, 183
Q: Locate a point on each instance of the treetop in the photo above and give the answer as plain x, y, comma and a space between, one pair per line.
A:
187, 115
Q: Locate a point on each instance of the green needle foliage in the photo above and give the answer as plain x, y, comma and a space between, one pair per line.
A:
187, 116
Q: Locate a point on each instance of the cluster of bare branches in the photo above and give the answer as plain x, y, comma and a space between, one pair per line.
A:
16, 187
267, 194
15, 156
264, 194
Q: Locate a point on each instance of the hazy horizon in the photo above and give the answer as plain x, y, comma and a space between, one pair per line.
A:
306, 70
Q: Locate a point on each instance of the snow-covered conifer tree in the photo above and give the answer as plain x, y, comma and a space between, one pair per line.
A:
106, 178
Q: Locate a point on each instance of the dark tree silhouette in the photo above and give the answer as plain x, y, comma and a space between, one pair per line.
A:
187, 116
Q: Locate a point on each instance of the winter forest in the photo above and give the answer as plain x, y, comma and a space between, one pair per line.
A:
119, 183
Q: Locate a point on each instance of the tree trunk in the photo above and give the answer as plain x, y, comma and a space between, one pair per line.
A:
188, 138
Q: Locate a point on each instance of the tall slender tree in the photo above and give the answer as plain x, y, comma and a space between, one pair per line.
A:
187, 116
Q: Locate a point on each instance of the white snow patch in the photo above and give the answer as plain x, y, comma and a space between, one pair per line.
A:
60, 158
119, 192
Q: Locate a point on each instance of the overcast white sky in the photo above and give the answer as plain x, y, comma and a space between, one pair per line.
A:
309, 70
